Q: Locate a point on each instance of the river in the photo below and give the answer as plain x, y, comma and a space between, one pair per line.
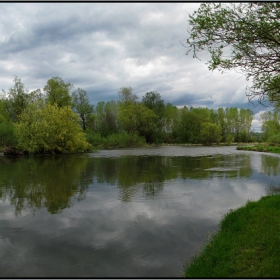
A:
122, 213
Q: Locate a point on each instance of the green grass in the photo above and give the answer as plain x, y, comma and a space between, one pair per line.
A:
247, 245
260, 148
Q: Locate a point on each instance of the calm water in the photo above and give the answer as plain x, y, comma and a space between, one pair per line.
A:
121, 213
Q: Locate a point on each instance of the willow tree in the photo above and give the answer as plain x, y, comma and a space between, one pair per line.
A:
244, 37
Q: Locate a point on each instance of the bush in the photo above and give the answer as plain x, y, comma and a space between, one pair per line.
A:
274, 139
50, 129
210, 133
124, 139
94, 138
7, 134
116, 140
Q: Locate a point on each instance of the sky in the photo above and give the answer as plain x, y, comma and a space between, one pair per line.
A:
102, 47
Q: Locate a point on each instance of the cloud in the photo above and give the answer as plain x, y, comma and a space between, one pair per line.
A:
102, 47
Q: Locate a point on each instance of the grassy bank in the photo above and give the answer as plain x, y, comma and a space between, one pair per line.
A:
261, 148
247, 244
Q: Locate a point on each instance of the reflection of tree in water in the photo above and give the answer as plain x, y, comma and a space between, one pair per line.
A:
43, 181
148, 173
270, 165
54, 181
131, 174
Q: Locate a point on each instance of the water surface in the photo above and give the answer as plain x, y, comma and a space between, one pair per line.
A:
121, 213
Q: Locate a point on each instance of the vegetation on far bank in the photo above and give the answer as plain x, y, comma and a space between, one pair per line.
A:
247, 244
61, 119
264, 147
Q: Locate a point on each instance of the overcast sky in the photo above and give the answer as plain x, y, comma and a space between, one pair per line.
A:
101, 47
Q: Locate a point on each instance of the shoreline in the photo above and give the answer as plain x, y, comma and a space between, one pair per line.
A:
245, 246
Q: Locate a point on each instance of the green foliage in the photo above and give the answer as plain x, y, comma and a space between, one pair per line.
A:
7, 134
229, 138
137, 118
95, 139
81, 105
58, 92
126, 96
49, 129
106, 118
271, 148
152, 100
16, 100
270, 128
243, 36
123, 139
188, 127
275, 138
270, 125
4, 114
117, 140
210, 133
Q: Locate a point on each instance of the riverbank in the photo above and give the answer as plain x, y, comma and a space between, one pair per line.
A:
133, 143
261, 148
247, 244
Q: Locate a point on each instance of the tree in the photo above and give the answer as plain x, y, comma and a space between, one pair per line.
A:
16, 99
106, 118
81, 105
49, 129
210, 133
189, 125
153, 101
126, 96
4, 115
136, 118
241, 36
270, 125
58, 92
170, 120
111, 113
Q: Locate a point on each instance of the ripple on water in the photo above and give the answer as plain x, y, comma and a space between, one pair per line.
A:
172, 151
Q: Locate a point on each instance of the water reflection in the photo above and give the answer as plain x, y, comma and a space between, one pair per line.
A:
43, 181
121, 215
54, 181
270, 165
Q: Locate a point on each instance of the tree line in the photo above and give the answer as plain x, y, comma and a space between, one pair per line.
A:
62, 119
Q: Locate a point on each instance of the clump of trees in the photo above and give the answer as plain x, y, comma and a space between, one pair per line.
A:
61, 119
39, 122
271, 127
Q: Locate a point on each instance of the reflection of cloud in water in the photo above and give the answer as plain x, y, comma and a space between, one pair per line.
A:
172, 203
221, 169
132, 244
101, 236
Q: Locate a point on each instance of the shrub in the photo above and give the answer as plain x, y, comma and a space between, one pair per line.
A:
116, 140
50, 129
7, 134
